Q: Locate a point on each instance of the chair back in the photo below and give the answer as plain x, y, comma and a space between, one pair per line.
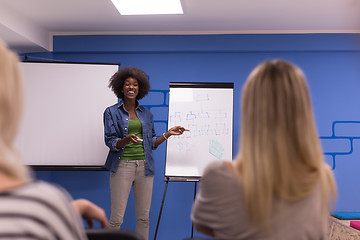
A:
108, 234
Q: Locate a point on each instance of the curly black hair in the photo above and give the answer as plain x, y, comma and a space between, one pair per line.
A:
117, 80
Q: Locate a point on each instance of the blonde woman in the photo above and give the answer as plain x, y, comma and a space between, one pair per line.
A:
31, 209
278, 187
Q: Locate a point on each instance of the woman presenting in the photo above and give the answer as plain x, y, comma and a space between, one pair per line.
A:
130, 136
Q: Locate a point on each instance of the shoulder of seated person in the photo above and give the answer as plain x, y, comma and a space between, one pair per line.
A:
228, 165
216, 170
216, 165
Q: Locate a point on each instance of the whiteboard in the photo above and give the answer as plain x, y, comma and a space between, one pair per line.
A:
206, 109
62, 124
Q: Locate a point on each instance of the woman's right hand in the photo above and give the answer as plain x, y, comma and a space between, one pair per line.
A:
129, 138
132, 138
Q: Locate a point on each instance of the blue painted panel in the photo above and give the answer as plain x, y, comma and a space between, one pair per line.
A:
153, 98
337, 145
347, 129
212, 43
348, 177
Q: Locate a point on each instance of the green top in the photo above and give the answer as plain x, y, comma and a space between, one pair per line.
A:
134, 151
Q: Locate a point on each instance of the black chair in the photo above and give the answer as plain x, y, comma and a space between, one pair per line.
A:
107, 234
198, 238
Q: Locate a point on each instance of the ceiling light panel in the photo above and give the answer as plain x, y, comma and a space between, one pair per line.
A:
148, 7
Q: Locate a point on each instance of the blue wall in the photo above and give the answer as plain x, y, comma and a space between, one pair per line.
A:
331, 63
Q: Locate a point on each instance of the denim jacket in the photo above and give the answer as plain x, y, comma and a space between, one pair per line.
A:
116, 122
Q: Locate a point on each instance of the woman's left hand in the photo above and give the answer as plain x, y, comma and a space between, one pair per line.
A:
177, 130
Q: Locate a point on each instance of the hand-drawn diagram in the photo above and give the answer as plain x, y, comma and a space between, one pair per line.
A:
216, 149
208, 116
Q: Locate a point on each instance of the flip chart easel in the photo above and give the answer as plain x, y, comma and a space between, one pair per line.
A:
206, 109
167, 179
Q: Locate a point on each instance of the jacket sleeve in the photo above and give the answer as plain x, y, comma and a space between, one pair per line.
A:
153, 134
110, 134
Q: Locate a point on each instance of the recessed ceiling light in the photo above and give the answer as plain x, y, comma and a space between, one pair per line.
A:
145, 7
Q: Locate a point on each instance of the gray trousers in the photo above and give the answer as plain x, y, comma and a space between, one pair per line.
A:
131, 173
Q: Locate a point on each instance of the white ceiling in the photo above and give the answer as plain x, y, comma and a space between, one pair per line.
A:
28, 25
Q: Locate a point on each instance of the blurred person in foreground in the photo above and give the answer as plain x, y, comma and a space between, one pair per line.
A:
29, 208
279, 186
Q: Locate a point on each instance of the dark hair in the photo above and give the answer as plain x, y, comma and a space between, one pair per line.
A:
117, 80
